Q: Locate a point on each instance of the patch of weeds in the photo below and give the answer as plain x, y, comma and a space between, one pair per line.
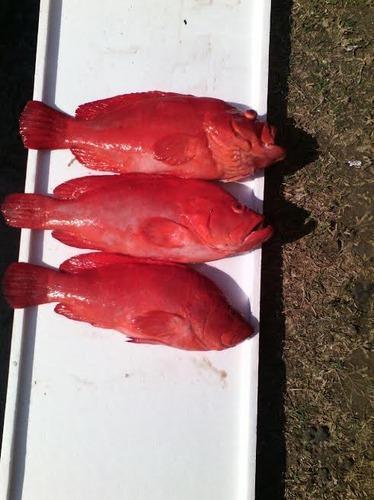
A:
328, 275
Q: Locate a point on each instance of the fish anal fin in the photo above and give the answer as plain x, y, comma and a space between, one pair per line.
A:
72, 240
67, 311
98, 158
175, 149
96, 109
74, 188
75, 314
166, 233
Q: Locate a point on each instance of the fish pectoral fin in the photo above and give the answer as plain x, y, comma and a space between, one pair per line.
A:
161, 326
166, 233
96, 109
75, 188
175, 149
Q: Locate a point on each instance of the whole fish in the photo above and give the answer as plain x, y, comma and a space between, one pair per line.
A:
161, 217
156, 132
151, 302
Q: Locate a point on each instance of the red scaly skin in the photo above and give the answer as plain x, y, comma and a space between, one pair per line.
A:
161, 217
151, 302
157, 132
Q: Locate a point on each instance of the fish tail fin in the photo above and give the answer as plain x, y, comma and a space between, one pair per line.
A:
27, 285
27, 210
42, 127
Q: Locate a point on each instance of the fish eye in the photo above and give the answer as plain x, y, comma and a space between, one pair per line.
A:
238, 208
250, 114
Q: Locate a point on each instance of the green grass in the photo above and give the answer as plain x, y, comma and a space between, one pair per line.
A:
328, 274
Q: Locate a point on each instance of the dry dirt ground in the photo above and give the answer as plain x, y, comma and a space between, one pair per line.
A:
317, 324
314, 430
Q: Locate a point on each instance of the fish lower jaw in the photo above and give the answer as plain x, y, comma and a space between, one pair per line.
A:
259, 226
258, 235
264, 232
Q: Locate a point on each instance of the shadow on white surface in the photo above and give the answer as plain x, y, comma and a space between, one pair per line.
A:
19, 444
232, 291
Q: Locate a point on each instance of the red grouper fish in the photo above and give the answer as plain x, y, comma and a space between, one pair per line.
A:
151, 302
160, 217
156, 132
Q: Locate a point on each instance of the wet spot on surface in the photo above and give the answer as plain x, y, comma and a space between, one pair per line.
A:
83, 381
206, 365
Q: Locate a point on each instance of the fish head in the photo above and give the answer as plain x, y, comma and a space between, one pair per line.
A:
232, 327
254, 145
234, 228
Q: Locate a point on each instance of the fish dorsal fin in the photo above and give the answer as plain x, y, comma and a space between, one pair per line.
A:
95, 260
74, 188
95, 109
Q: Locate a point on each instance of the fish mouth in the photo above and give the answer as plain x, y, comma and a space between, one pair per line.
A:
274, 152
260, 225
258, 235
229, 340
241, 331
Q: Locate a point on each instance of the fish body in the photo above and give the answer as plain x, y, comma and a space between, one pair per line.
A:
151, 302
157, 132
153, 216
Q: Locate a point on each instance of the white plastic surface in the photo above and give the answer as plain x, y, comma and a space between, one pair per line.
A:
88, 415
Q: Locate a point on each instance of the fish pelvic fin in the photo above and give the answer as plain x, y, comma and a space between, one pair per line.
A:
42, 127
